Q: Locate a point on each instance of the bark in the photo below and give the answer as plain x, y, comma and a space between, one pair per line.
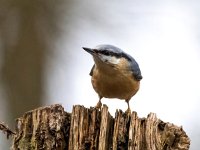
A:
43, 128
91, 129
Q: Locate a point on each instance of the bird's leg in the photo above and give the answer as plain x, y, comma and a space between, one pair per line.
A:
99, 104
128, 111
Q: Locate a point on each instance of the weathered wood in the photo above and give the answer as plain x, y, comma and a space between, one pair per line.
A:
106, 127
120, 133
92, 129
43, 128
85, 127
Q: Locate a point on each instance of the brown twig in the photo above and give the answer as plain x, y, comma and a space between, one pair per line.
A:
4, 128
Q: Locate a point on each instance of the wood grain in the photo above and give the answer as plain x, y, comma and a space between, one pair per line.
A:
91, 129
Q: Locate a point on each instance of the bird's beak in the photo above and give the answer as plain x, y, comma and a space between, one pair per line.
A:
89, 50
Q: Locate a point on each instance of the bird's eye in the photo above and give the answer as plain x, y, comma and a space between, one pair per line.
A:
105, 52
96, 51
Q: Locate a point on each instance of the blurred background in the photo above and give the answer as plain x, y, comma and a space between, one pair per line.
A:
42, 61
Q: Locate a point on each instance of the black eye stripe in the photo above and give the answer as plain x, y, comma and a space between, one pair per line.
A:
105, 52
95, 50
110, 53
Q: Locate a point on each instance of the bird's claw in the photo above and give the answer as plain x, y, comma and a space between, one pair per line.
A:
128, 112
98, 105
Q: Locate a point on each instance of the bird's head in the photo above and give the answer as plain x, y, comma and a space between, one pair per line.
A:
106, 54
109, 56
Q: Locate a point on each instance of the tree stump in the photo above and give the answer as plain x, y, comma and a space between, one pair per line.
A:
91, 129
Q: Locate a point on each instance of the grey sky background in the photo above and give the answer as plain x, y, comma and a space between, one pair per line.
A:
163, 36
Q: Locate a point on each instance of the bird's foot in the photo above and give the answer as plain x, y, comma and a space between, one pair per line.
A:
128, 112
98, 105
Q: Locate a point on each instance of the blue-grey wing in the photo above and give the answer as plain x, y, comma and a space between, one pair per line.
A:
136, 70
91, 72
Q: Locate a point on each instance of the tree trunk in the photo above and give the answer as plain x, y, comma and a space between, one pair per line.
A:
91, 129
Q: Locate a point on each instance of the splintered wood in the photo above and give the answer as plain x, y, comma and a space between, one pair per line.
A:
43, 128
91, 129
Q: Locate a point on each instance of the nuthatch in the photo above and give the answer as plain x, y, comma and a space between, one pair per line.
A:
115, 74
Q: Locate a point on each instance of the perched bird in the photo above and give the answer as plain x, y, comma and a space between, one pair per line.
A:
115, 73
